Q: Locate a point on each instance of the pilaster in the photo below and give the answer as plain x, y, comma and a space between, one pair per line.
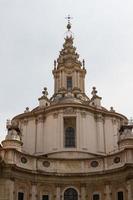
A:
83, 192
100, 133
58, 192
108, 192
40, 127
129, 191
34, 191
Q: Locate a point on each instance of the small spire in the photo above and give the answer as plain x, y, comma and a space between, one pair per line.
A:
83, 63
54, 63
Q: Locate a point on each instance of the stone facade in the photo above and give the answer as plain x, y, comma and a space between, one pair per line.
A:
69, 147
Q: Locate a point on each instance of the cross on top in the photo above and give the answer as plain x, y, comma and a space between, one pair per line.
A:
68, 19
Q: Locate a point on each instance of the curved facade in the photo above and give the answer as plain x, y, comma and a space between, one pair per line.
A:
69, 147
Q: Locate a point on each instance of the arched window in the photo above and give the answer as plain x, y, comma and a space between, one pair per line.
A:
120, 195
70, 194
69, 137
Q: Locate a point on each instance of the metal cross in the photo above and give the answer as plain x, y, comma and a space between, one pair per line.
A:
68, 18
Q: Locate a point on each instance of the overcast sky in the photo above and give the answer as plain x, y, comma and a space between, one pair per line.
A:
31, 36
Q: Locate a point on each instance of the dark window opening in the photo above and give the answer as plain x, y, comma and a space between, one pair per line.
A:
70, 131
70, 194
70, 137
96, 197
120, 196
69, 83
45, 197
20, 196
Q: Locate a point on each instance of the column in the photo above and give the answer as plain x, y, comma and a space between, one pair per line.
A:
63, 79
78, 130
55, 84
61, 130
74, 81
60, 81
83, 81
78, 81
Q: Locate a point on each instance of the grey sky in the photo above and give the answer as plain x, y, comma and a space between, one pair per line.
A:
32, 33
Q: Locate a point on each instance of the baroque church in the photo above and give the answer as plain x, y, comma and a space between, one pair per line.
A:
69, 147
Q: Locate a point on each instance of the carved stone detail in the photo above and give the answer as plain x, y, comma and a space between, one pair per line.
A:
55, 115
25, 121
83, 114
114, 121
69, 110
40, 119
99, 117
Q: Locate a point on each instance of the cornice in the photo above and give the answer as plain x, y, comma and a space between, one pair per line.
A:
59, 106
8, 170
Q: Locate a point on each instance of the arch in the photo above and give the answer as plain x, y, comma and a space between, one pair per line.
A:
70, 137
70, 194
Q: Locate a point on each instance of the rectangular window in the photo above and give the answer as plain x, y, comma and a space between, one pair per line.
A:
69, 83
120, 196
20, 196
45, 197
96, 197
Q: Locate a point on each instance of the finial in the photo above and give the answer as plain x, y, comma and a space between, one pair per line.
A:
69, 24
45, 92
54, 63
26, 109
94, 91
112, 109
83, 63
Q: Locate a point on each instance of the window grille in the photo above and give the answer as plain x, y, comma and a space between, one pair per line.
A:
70, 194
70, 137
